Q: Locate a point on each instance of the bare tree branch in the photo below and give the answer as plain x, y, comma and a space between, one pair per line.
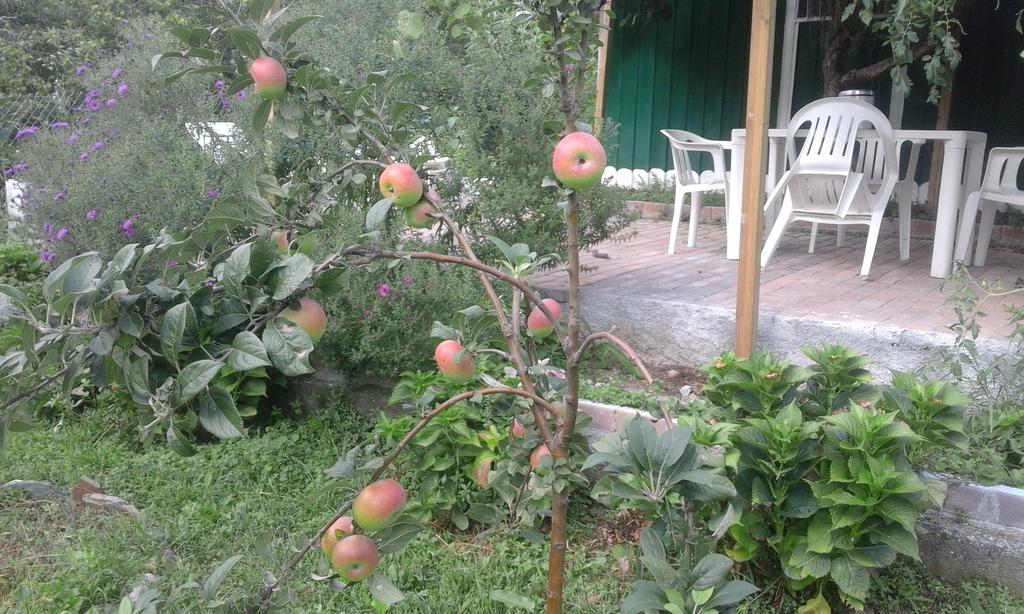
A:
268, 591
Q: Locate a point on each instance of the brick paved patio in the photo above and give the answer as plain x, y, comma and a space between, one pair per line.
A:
821, 286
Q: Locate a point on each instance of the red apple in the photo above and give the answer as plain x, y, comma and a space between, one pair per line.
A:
579, 160
481, 473
339, 529
538, 455
518, 430
454, 361
355, 557
418, 216
378, 504
400, 183
310, 317
269, 77
537, 324
280, 238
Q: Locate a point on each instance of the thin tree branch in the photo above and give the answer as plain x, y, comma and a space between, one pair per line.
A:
514, 348
622, 345
34, 389
268, 591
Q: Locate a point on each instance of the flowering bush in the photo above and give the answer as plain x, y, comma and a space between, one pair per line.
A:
377, 309
123, 165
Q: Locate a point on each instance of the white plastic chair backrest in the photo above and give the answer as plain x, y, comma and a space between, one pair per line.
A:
684, 143
832, 149
870, 158
1002, 171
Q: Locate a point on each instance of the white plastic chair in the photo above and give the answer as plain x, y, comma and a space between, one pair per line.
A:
871, 161
688, 180
822, 185
999, 189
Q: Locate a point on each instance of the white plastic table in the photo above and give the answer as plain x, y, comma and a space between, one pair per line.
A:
962, 166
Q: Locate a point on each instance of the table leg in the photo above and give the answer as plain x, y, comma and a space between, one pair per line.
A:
950, 199
732, 209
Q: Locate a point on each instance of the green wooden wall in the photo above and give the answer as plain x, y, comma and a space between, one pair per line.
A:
686, 71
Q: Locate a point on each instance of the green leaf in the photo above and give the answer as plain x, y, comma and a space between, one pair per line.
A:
138, 381
799, 502
899, 539
236, 268
260, 116
851, 578
288, 347
247, 352
646, 596
513, 600
178, 443
72, 275
651, 544
731, 594
383, 590
286, 31
156, 59
377, 214
219, 416
483, 513
172, 330
213, 582
247, 41
393, 538
816, 605
290, 276
872, 556
710, 571
194, 378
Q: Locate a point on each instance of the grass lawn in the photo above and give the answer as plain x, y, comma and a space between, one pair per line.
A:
198, 511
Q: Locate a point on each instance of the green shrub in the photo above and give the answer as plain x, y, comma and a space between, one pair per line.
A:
130, 168
822, 463
20, 268
381, 319
492, 134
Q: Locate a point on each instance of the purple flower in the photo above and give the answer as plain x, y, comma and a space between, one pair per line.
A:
59, 125
165, 109
172, 264
62, 234
116, 73
59, 196
81, 70
98, 145
111, 102
219, 84
240, 94
367, 313
15, 168
122, 88
72, 139
29, 131
83, 155
47, 228
46, 255
383, 290
124, 21
93, 105
92, 94
213, 193
128, 226
92, 214
407, 280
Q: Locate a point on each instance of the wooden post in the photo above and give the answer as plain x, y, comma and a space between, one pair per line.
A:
759, 86
602, 67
